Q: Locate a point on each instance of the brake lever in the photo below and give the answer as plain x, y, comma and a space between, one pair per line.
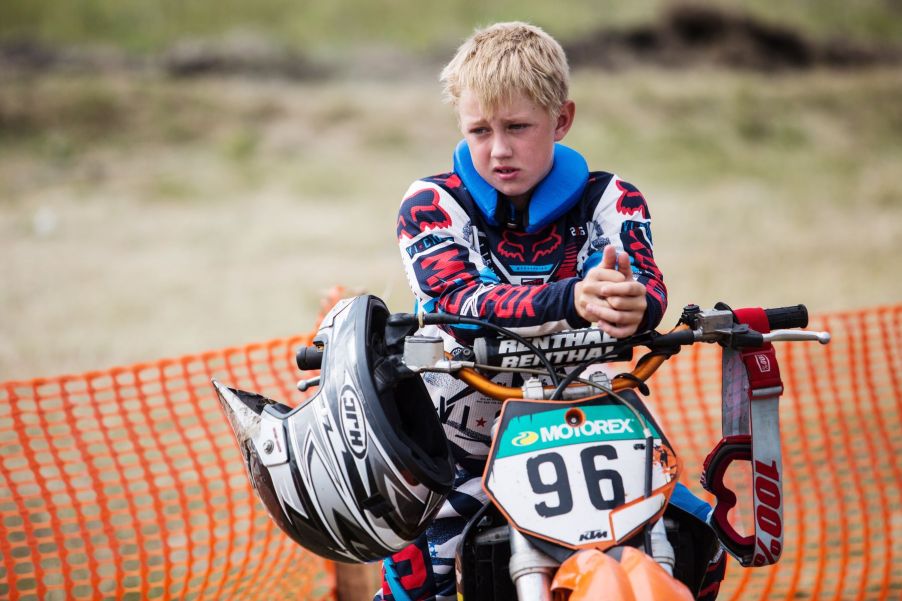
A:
303, 385
797, 335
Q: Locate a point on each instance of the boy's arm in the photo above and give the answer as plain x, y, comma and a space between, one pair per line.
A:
623, 216
447, 273
646, 272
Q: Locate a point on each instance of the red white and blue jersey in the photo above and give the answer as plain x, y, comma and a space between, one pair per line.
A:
512, 272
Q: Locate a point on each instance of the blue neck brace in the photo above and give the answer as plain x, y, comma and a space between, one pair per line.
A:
555, 195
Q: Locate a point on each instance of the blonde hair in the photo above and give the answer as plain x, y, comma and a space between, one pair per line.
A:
506, 58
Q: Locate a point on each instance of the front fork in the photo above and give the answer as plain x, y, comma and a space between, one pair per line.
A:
531, 570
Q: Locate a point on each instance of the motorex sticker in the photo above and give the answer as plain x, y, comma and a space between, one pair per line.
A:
550, 429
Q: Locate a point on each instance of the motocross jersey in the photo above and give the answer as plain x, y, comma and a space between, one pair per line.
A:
466, 251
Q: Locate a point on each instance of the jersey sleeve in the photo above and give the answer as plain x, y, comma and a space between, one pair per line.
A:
622, 219
447, 273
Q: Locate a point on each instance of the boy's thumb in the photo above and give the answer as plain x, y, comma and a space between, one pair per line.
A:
623, 265
608, 257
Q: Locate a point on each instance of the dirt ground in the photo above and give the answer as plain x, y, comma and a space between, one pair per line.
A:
143, 217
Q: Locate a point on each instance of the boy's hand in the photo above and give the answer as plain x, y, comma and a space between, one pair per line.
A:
610, 296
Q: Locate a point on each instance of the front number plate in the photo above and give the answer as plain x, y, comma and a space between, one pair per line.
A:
574, 473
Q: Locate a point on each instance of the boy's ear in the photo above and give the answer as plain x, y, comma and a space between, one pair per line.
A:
564, 120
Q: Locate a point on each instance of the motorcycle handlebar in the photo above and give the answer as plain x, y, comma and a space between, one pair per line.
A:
675, 338
309, 358
778, 318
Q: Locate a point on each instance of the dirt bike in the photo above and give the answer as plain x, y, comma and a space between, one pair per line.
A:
580, 476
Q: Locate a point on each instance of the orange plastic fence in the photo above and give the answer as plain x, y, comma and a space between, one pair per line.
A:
127, 484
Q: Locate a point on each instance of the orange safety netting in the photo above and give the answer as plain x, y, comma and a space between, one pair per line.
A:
127, 484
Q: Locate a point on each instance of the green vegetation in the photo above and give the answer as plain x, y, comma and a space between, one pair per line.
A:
142, 26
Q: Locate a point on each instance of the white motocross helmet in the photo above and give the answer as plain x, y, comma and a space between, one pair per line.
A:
358, 471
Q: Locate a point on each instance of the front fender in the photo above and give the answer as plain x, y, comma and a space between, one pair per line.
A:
595, 576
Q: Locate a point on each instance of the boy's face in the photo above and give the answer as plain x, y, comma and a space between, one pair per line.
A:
513, 149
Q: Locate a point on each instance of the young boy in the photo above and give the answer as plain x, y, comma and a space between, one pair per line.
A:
520, 233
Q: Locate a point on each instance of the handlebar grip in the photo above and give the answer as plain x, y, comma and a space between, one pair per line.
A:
309, 357
781, 318
678, 338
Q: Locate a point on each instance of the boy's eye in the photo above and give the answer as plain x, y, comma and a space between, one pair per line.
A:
517, 126
478, 131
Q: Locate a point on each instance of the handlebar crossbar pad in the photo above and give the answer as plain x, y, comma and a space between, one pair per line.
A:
567, 348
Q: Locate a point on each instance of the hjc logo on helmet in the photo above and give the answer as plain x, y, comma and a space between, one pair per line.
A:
353, 428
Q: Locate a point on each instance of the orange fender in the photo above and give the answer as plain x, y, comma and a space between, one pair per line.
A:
593, 576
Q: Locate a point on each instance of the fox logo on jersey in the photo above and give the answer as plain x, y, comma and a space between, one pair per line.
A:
421, 212
547, 245
513, 244
631, 200
510, 246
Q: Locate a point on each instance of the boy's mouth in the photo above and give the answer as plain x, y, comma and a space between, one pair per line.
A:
506, 172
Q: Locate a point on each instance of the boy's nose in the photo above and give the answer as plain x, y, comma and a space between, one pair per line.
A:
501, 149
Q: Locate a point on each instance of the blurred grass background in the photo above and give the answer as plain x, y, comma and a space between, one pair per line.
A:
142, 26
144, 214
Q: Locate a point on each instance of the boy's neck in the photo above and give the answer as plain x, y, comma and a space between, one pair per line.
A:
520, 202
514, 210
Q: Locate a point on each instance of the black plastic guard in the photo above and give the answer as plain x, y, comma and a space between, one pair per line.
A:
482, 570
694, 545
